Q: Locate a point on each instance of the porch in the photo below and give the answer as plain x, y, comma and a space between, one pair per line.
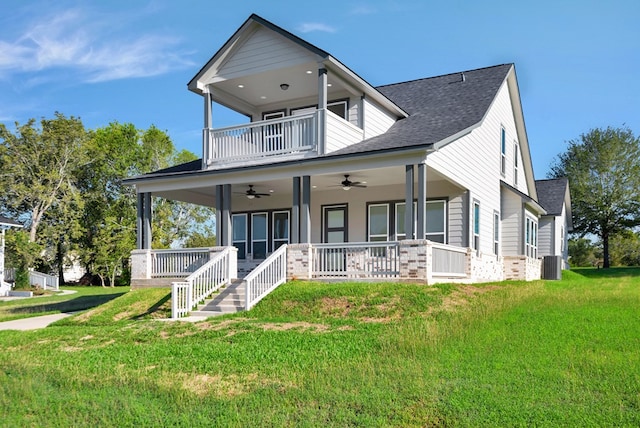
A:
195, 274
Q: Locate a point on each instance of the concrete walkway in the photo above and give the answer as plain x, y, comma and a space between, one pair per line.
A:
32, 323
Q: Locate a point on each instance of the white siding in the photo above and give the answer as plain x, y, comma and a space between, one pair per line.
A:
512, 225
376, 120
474, 162
340, 133
458, 224
546, 234
263, 50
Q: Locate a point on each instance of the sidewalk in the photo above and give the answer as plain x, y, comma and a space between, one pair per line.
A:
32, 323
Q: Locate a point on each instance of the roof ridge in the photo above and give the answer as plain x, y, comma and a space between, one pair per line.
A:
444, 75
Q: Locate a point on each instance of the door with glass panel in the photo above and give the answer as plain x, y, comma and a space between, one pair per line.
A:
240, 235
272, 134
259, 236
335, 232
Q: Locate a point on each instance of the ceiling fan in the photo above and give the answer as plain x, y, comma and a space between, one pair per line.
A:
252, 194
347, 184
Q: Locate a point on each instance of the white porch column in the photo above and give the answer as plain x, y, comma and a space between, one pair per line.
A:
421, 228
305, 215
322, 109
146, 221
408, 199
295, 212
208, 112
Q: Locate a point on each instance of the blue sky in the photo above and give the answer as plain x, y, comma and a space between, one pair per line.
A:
578, 62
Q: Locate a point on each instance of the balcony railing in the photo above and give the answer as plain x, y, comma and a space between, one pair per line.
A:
261, 141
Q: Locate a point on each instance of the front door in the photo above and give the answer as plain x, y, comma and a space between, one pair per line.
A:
272, 133
335, 232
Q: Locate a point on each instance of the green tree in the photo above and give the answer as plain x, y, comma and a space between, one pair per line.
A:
37, 166
582, 252
603, 167
625, 249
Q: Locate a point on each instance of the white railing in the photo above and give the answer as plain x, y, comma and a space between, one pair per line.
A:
448, 260
271, 273
39, 279
263, 139
177, 263
356, 260
187, 294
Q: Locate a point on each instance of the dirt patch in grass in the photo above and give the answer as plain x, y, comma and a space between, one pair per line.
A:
227, 386
300, 325
463, 295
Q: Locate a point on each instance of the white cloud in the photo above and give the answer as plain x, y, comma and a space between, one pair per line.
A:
76, 41
363, 9
308, 27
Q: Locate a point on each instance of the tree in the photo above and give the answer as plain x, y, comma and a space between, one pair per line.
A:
582, 252
37, 165
625, 249
603, 167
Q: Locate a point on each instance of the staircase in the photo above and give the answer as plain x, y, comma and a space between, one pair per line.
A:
229, 300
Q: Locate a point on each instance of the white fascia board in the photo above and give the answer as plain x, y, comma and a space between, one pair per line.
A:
203, 179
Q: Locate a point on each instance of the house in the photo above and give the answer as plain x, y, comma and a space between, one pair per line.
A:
5, 223
554, 227
428, 180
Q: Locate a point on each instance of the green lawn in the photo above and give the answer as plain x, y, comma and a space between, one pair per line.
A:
542, 353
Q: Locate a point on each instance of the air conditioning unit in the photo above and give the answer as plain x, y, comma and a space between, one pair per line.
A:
552, 267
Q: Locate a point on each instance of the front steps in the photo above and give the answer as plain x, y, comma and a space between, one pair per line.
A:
229, 300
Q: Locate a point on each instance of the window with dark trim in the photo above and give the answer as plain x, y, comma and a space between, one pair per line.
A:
239, 239
516, 155
503, 151
385, 220
496, 233
476, 225
258, 233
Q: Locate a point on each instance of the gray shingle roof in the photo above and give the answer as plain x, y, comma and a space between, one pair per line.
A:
439, 107
551, 194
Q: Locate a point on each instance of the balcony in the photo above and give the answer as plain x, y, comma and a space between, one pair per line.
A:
275, 140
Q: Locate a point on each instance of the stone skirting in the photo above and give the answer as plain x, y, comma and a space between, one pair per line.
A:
522, 268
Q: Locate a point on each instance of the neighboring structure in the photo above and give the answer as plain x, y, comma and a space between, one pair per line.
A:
554, 227
5, 223
427, 180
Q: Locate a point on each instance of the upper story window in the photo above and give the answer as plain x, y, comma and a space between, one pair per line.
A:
339, 108
516, 164
503, 151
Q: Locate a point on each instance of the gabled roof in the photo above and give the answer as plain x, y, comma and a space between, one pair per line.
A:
552, 194
440, 108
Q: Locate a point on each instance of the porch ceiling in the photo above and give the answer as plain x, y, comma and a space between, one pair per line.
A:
372, 178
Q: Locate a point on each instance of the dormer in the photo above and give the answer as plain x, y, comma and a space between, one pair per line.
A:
300, 100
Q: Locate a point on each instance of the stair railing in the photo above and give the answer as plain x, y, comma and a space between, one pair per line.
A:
187, 294
271, 273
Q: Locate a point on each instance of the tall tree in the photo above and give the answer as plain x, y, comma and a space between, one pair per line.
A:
37, 167
603, 167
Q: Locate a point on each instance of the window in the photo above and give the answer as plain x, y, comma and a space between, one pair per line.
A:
516, 155
531, 237
379, 222
562, 240
259, 235
436, 213
503, 151
280, 229
476, 226
240, 234
390, 216
339, 108
496, 233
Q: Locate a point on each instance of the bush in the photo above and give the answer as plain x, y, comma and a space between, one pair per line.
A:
22, 279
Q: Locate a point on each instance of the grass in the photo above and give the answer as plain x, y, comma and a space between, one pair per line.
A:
83, 298
542, 353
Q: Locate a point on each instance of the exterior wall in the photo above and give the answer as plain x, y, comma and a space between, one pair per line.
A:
263, 50
485, 267
458, 221
415, 260
522, 268
473, 161
376, 120
546, 236
512, 227
340, 134
298, 261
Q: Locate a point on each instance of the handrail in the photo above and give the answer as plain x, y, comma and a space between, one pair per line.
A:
269, 274
187, 294
177, 263
363, 260
448, 260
